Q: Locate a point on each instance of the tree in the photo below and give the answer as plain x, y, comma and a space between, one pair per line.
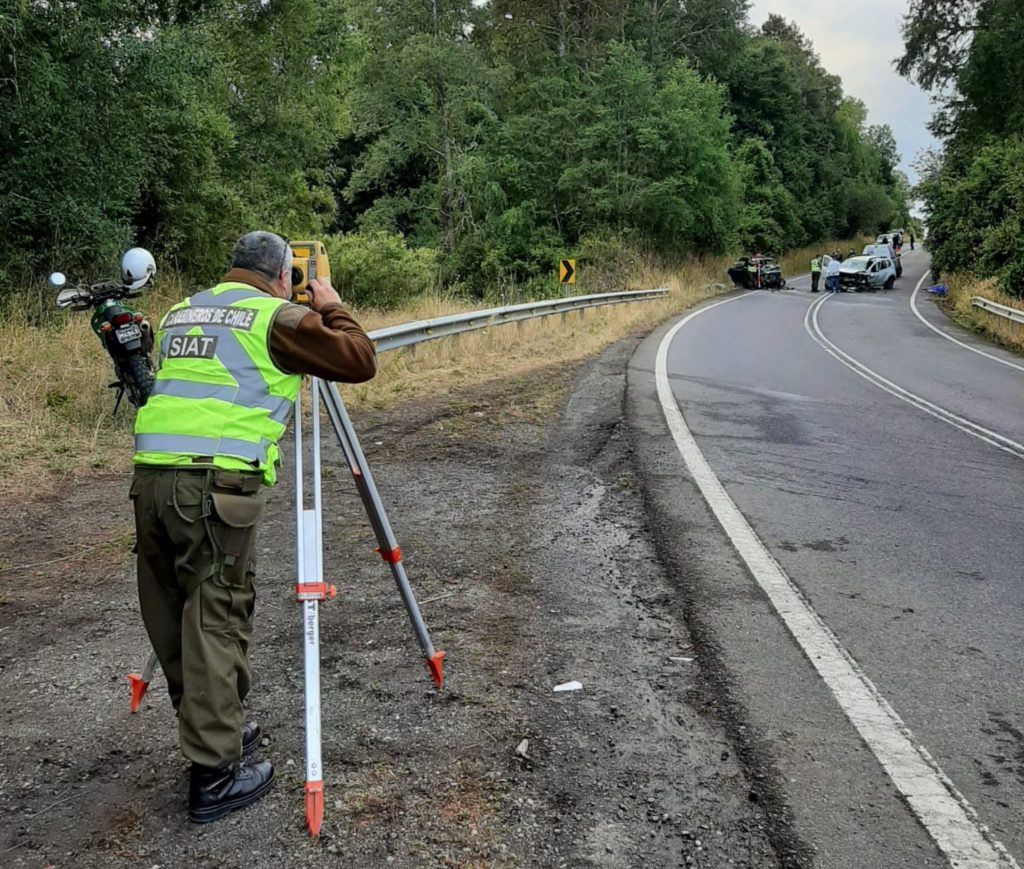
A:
652, 161
419, 107
937, 38
882, 140
970, 53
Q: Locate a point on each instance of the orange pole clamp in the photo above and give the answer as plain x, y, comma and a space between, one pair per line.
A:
320, 591
392, 556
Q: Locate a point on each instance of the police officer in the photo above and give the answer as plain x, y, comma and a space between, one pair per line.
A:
815, 273
206, 447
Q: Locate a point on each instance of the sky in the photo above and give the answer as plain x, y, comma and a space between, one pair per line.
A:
858, 40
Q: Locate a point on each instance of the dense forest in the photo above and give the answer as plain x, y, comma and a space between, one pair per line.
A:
430, 142
968, 52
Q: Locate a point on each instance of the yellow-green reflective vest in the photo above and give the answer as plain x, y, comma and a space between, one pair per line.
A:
218, 395
815, 265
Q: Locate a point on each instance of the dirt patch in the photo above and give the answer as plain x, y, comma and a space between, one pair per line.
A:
520, 515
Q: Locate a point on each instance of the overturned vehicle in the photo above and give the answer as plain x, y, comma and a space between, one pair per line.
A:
756, 273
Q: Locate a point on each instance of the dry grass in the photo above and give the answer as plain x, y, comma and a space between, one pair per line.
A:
962, 288
55, 412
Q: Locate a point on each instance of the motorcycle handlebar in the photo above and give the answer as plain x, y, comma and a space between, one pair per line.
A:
104, 290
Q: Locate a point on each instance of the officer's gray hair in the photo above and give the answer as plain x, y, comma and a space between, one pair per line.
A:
262, 252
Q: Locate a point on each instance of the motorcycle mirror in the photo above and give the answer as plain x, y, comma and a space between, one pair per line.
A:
66, 298
57, 280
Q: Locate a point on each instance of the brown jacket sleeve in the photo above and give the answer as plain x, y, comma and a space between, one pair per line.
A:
329, 344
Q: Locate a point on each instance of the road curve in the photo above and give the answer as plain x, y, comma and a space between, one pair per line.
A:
881, 467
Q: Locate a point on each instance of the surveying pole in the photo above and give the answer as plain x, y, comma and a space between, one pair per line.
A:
310, 591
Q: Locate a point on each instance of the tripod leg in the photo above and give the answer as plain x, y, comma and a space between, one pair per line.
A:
387, 545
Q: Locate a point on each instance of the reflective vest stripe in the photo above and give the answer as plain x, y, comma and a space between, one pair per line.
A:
280, 408
210, 299
200, 446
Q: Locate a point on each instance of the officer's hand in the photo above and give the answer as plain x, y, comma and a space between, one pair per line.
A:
323, 294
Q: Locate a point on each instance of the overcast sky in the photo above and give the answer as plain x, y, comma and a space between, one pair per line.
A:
858, 40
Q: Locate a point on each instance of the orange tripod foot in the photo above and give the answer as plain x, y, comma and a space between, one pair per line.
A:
138, 688
435, 663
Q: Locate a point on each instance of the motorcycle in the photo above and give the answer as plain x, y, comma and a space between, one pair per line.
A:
125, 333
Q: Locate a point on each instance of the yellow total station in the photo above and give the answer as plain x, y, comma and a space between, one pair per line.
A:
309, 261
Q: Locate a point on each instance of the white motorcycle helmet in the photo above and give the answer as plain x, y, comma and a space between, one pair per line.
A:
137, 267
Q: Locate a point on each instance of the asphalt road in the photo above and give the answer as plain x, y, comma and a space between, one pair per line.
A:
881, 466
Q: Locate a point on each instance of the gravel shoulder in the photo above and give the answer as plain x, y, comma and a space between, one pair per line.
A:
523, 525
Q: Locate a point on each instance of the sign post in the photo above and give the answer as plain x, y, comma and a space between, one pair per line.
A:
567, 273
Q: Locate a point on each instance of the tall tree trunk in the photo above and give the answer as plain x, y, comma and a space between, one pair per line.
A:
652, 32
563, 26
447, 176
445, 144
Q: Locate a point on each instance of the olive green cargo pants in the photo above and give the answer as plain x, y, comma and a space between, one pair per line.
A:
196, 532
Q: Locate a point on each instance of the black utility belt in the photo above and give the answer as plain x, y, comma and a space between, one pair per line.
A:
244, 482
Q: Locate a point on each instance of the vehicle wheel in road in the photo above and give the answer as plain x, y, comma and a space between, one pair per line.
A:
889, 284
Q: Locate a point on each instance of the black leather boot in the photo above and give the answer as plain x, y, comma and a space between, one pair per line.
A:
215, 791
251, 734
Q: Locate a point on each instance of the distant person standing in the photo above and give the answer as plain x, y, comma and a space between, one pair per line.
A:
832, 281
815, 273
911, 241
752, 274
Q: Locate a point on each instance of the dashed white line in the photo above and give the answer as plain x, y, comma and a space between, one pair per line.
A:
941, 808
966, 346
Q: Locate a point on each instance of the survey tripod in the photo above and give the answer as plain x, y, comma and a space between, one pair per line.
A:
310, 588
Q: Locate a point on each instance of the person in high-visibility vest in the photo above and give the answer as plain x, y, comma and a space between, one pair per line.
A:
206, 447
815, 273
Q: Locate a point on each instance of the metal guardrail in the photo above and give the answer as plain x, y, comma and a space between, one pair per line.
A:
393, 337
1007, 313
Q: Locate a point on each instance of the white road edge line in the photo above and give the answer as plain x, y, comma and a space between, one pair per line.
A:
966, 346
944, 812
1001, 442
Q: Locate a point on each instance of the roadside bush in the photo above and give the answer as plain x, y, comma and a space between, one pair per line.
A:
606, 263
377, 270
976, 207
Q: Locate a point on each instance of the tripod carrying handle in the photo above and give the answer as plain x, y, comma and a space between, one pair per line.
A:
387, 545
